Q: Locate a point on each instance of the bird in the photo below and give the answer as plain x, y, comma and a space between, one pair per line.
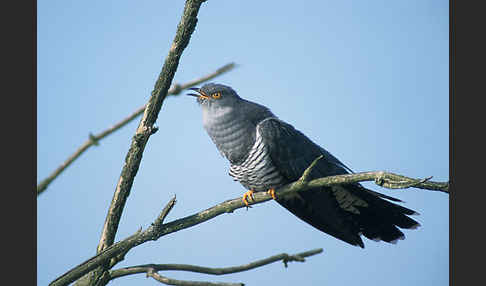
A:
266, 153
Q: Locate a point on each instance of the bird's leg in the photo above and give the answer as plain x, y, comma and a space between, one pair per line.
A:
248, 194
271, 192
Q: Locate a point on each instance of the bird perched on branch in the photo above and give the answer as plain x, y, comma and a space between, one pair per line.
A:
265, 153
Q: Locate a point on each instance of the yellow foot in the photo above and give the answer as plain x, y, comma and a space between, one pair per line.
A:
248, 194
271, 192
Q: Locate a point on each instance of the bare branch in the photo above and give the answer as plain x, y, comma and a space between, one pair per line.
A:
94, 139
170, 281
305, 176
385, 179
116, 252
284, 257
157, 230
150, 232
90, 264
160, 219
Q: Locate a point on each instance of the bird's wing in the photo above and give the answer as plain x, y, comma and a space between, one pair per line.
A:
292, 152
343, 211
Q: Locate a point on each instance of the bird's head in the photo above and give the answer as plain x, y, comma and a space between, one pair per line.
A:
215, 95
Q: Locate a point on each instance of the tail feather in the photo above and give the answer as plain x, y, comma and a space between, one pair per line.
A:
329, 210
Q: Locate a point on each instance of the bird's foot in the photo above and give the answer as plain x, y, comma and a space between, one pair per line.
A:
246, 195
271, 192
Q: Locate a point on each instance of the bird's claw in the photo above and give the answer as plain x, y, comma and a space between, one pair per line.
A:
271, 192
248, 194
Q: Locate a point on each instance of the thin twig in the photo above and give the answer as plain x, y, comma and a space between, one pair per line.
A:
305, 176
171, 281
94, 139
284, 257
150, 232
163, 214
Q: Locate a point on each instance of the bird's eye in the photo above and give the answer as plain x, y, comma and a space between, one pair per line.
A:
216, 95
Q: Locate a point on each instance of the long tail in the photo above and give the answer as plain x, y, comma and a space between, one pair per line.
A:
349, 211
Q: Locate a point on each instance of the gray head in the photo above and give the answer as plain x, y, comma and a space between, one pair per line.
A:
229, 119
215, 95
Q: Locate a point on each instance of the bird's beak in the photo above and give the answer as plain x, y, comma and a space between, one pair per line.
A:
200, 94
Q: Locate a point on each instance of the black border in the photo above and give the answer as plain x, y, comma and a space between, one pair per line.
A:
467, 143
19, 156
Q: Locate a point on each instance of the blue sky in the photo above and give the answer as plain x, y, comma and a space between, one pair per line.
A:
367, 80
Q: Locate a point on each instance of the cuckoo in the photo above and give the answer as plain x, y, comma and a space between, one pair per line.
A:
266, 152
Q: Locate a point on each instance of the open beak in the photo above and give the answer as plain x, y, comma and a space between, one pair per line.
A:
199, 94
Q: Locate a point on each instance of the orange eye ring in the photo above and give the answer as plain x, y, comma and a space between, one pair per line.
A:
216, 95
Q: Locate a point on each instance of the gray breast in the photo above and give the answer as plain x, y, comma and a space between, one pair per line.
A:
232, 136
257, 172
